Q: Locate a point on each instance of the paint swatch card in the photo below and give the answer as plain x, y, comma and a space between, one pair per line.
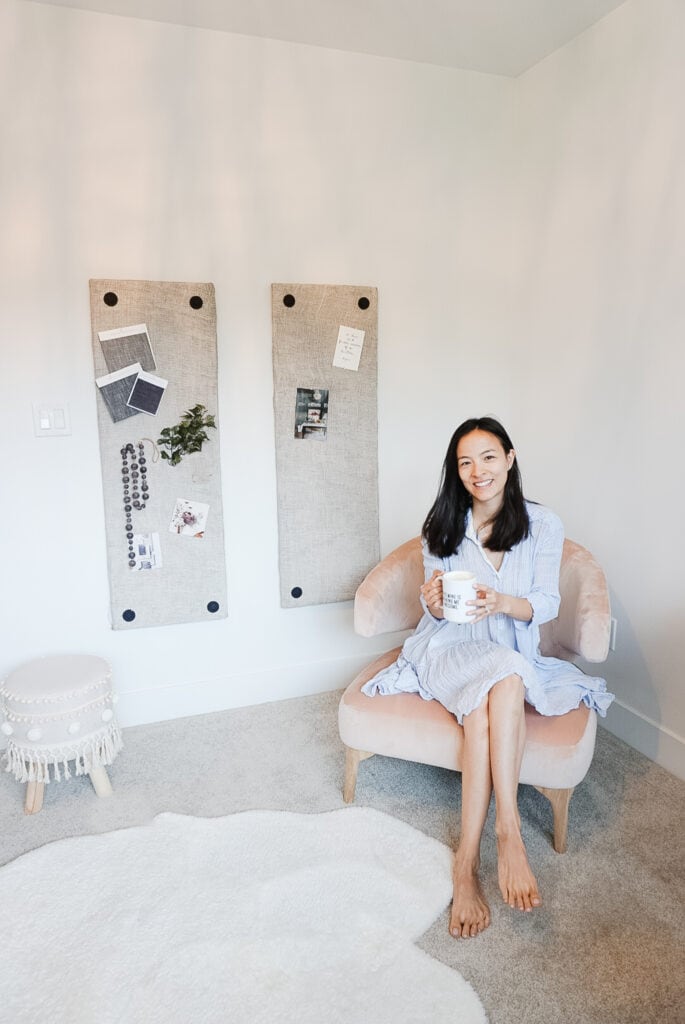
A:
125, 345
147, 392
348, 349
115, 389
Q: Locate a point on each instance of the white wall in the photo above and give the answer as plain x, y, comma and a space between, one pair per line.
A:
525, 235
600, 229
141, 150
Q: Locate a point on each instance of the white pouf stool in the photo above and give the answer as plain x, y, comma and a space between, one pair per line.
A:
56, 710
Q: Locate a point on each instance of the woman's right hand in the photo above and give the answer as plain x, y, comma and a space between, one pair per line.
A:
431, 592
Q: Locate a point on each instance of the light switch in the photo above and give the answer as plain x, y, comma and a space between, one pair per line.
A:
51, 420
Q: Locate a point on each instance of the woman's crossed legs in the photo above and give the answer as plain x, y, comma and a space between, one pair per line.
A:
494, 738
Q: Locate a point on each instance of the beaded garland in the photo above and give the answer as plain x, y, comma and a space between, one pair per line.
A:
135, 489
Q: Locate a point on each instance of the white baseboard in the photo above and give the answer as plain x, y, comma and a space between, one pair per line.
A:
159, 704
182, 700
651, 738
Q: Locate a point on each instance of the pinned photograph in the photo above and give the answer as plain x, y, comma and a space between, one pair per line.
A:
189, 518
126, 345
147, 551
147, 393
115, 389
311, 414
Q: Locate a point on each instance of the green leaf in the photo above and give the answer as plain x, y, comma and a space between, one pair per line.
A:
188, 435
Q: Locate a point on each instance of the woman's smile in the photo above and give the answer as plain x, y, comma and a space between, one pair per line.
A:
483, 466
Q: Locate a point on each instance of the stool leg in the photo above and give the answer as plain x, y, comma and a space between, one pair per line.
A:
100, 780
34, 797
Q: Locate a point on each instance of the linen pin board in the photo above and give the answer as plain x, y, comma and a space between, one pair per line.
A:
155, 361
325, 340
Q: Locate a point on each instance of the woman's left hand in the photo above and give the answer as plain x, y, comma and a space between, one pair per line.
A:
487, 602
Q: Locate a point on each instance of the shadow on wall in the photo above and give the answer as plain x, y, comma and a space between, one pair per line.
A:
628, 662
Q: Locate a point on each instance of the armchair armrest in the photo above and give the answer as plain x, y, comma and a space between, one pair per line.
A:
583, 625
387, 600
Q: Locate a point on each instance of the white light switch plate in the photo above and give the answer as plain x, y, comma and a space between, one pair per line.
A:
51, 419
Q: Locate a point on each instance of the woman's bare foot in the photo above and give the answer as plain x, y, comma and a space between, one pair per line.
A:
516, 880
470, 912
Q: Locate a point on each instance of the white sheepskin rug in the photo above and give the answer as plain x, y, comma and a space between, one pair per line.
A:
256, 918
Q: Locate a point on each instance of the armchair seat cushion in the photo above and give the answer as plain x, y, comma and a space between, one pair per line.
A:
558, 748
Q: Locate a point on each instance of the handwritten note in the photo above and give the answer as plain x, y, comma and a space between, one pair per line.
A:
348, 349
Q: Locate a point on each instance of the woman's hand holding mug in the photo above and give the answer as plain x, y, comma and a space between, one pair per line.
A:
431, 592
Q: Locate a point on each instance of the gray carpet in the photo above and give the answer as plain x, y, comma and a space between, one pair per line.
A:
608, 947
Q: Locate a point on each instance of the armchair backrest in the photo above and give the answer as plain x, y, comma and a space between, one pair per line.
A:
387, 601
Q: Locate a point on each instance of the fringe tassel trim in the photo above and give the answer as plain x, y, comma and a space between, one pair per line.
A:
33, 764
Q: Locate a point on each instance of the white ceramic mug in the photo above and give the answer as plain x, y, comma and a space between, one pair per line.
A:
457, 589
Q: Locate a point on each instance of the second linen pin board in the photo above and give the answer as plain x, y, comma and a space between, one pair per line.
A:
325, 340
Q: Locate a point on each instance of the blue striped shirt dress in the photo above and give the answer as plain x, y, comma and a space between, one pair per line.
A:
458, 664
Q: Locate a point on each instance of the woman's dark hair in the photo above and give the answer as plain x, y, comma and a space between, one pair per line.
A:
445, 524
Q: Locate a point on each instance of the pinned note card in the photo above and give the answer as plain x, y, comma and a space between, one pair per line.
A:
348, 349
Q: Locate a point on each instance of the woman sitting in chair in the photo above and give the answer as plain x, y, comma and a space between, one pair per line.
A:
484, 671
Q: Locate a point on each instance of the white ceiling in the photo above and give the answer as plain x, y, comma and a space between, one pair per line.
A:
503, 37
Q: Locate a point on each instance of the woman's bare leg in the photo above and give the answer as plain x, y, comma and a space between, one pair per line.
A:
507, 740
470, 912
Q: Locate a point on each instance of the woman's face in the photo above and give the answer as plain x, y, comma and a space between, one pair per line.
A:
483, 466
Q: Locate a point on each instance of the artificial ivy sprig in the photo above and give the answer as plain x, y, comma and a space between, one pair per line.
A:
187, 436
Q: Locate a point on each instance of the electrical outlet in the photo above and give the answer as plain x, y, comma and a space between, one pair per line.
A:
612, 635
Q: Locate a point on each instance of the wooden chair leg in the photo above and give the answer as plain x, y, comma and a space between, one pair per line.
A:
100, 780
559, 799
34, 797
352, 759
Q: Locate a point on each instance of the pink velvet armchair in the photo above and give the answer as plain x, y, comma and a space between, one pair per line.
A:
558, 749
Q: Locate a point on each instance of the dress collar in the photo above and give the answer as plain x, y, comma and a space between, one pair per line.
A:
469, 531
